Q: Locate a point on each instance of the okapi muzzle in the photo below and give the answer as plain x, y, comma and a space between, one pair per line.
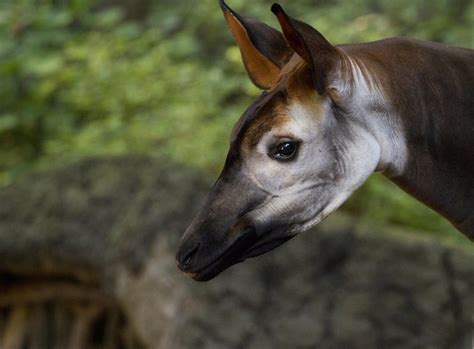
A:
223, 233
328, 117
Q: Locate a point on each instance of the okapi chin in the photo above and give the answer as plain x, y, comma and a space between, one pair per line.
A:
328, 117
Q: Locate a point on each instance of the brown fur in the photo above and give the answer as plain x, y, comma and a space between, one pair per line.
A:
293, 84
429, 86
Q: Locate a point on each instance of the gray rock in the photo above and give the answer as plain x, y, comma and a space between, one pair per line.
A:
113, 225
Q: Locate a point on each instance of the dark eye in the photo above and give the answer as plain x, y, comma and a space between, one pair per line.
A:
285, 150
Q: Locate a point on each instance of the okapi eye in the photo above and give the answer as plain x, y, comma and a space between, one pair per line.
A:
285, 150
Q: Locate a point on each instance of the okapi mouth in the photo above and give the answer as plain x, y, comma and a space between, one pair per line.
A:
247, 246
232, 255
265, 246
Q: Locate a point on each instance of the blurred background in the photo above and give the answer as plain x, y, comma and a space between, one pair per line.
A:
164, 78
114, 121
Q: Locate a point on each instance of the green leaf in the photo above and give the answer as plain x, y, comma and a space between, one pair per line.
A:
8, 122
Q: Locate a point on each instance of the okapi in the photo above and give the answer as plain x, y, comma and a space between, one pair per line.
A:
328, 117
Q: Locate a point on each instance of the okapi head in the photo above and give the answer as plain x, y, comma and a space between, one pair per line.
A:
296, 154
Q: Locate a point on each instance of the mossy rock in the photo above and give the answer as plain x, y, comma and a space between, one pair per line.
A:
115, 223
85, 218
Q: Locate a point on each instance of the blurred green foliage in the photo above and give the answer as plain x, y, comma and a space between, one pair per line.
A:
84, 77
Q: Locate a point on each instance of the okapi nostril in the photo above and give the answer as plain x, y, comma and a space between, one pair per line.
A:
188, 256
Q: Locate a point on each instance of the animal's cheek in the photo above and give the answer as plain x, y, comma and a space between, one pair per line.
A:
267, 176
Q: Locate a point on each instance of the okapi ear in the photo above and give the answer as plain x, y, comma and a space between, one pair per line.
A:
310, 45
264, 49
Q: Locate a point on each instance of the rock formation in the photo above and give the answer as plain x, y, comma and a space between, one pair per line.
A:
87, 261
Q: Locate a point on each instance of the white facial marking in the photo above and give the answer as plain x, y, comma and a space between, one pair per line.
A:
335, 156
385, 127
315, 183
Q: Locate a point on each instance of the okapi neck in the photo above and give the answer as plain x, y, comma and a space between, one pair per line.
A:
430, 86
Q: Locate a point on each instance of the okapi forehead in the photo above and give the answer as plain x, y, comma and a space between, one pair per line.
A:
271, 109
260, 107
296, 78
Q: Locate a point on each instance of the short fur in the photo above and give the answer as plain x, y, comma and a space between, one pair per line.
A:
399, 106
